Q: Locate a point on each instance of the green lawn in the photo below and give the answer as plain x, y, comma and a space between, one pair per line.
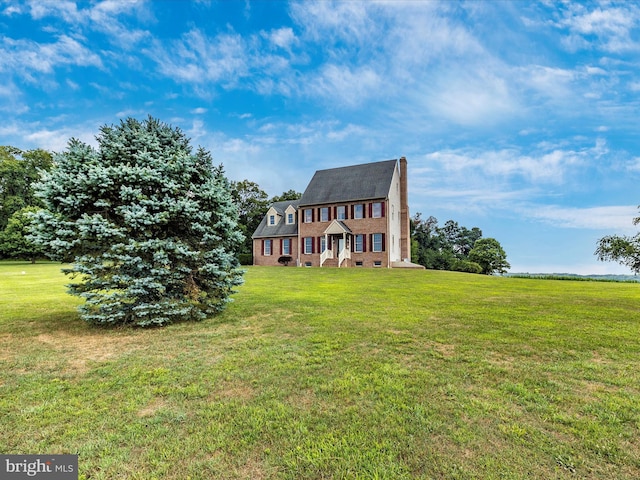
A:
328, 373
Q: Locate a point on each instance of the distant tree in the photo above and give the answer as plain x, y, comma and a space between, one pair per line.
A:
489, 254
442, 248
622, 249
251, 202
14, 241
150, 226
18, 171
288, 195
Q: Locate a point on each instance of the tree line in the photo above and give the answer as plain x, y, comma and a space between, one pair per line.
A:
441, 247
450, 247
454, 247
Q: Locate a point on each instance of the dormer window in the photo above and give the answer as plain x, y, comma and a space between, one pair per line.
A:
290, 215
272, 219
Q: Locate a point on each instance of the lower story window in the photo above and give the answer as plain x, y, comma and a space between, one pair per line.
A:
308, 245
377, 263
377, 242
267, 247
286, 246
359, 244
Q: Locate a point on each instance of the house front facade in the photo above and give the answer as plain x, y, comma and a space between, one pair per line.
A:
355, 216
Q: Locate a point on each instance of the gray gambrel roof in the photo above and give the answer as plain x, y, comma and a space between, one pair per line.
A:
281, 229
347, 184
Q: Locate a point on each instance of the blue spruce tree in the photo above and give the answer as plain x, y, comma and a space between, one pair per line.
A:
149, 225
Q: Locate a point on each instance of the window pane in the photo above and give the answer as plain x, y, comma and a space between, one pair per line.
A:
358, 246
377, 242
324, 214
286, 246
341, 212
267, 247
290, 218
358, 211
377, 210
308, 215
308, 244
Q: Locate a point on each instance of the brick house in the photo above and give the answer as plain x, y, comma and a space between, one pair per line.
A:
356, 216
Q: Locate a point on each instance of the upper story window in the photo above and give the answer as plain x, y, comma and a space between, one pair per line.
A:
308, 215
341, 212
376, 210
272, 219
324, 214
358, 211
290, 219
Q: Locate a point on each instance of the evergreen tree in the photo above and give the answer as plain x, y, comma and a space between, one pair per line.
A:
150, 226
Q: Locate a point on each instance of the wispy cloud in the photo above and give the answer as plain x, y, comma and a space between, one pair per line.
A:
28, 57
610, 218
601, 25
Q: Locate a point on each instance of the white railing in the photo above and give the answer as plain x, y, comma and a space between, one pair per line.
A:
344, 254
325, 255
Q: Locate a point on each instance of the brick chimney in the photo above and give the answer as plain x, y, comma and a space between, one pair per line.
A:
405, 228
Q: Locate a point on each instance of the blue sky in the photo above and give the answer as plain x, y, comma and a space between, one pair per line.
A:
520, 118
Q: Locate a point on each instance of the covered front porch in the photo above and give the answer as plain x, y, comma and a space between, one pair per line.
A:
337, 245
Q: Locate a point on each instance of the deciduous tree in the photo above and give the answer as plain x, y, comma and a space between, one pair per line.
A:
489, 254
622, 249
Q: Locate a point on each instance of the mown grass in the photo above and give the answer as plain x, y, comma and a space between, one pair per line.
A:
327, 373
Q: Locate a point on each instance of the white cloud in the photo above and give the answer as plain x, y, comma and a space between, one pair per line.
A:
612, 218
198, 111
198, 59
349, 86
602, 26
27, 57
282, 37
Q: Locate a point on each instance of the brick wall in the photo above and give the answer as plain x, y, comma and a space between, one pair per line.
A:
276, 251
365, 226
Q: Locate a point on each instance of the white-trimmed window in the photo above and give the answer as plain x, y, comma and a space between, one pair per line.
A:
308, 215
267, 247
290, 218
377, 242
324, 214
308, 245
286, 246
359, 244
377, 210
272, 219
358, 211
341, 212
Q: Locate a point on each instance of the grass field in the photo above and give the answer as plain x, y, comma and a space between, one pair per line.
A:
327, 373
